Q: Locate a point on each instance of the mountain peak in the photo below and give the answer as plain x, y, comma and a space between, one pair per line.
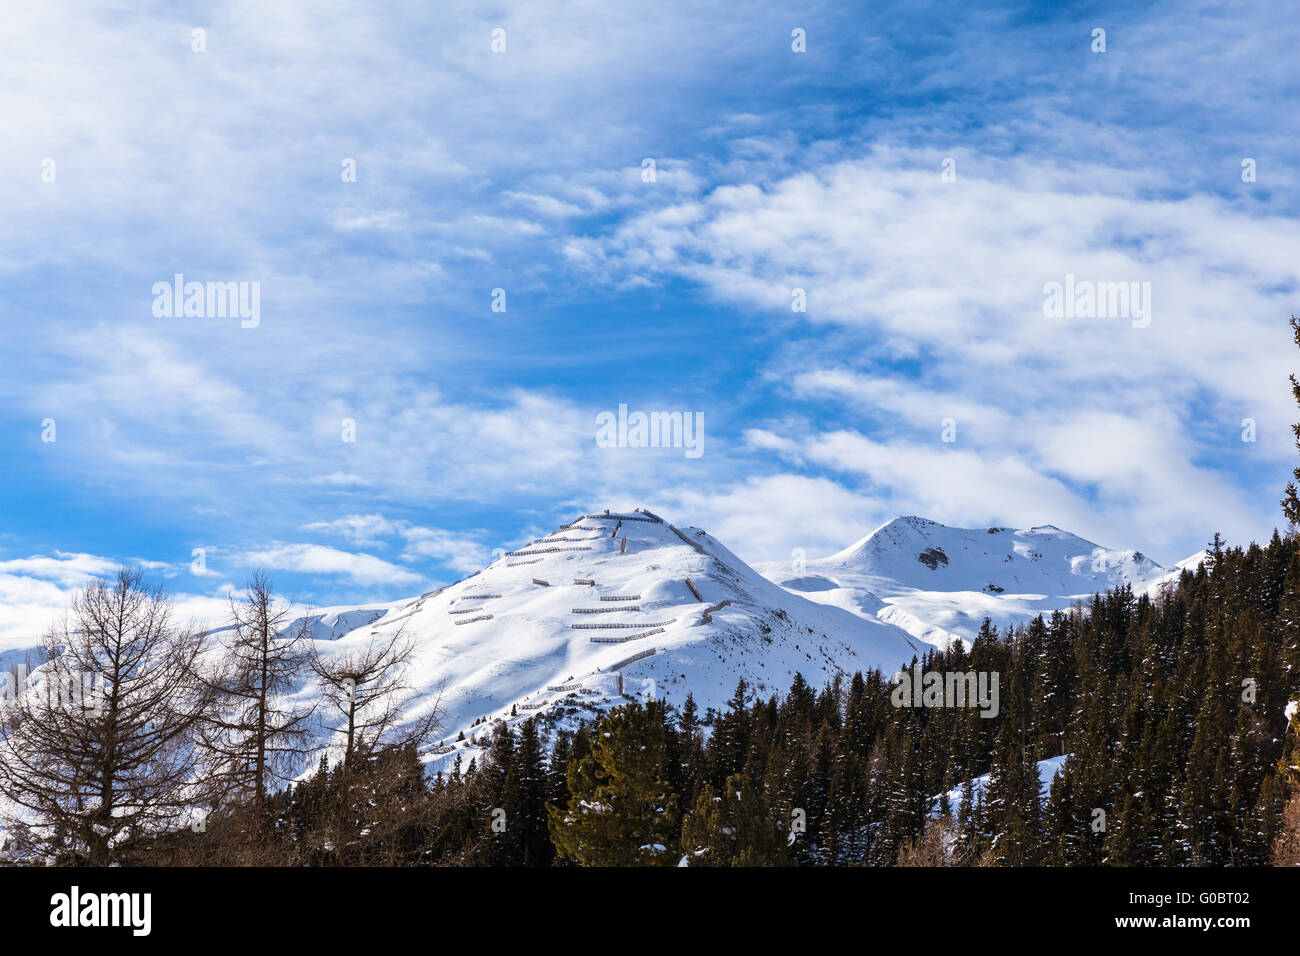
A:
617, 603
939, 582
906, 531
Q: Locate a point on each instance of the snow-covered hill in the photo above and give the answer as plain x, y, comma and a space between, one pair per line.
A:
549, 629
552, 627
938, 582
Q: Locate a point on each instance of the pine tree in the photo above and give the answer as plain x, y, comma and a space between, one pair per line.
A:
690, 751
1014, 804
529, 781
729, 745
733, 828
621, 811
557, 770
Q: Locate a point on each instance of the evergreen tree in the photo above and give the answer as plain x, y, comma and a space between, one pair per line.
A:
733, 828
529, 779
620, 811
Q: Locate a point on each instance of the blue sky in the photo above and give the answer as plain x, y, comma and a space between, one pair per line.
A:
522, 170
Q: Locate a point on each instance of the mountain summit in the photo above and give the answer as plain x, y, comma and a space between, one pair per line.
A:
619, 602
938, 582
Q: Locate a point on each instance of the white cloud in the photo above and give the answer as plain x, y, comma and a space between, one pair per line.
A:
458, 550
35, 592
461, 552
339, 479
359, 568
546, 205
384, 219
765, 518
928, 299
923, 296
63, 569
359, 529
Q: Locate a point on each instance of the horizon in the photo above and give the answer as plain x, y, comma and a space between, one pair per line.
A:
211, 612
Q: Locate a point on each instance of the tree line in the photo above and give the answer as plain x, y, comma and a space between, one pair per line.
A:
1168, 708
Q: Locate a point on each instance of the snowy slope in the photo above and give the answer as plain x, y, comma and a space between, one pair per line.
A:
1047, 770
523, 633
937, 582
332, 623
1191, 563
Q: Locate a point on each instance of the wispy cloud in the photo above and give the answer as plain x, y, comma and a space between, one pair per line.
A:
525, 172
35, 592
317, 559
458, 551
936, 290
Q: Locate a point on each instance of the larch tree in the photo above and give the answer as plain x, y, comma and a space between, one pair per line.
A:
256, 739
98, 749
383, 726
366, 688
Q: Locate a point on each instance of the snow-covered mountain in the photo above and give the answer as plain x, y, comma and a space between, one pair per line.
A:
628, 601
937, 582
552, 626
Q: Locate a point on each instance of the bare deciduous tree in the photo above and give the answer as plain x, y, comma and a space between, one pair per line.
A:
377, 792
1286, 846
98, 749
367, 689
255, 739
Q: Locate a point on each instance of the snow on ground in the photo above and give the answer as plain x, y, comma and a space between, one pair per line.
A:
1047, 769
329, 623
549, 629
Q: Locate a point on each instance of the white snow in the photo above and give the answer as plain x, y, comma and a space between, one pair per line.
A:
938, 583
1047, 769
519, 634
330, 623
540, 637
